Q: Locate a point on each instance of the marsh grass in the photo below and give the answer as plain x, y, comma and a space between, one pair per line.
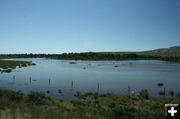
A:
160, 84
8, 65
36, 105
6, 70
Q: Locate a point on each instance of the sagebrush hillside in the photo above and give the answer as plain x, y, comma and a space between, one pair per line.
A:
172, 51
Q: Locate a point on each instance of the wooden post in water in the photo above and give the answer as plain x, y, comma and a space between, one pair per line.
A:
72, 84
49, 82
129, 90
30, 80
164, 92
14, 77
98, 88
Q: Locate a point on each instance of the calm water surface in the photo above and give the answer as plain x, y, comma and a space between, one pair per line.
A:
111, 76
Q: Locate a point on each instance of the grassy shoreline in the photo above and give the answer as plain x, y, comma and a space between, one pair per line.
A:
36, 105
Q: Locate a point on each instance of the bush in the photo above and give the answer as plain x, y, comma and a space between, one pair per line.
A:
79, 102
144, 94
38, 98
78, 94
2, 93
171, 93
60, 92
178, 95
135, 97
16, 96
117, 112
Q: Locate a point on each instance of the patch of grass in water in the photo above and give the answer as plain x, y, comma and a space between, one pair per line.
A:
47, 91
160, 84
6, 70
8, 65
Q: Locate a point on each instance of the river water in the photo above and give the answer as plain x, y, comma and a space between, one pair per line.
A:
97, 76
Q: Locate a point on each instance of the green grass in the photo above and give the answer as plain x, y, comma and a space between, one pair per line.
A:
9, 65
37, 105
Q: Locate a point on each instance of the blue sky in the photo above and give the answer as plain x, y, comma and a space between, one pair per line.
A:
57, 26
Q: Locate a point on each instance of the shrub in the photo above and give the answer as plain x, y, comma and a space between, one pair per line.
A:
144, 94
79, 102
178, 95
15, 96
118, 112
78, 94
38, 98
171, 93
1, 93
60, 92
135, 97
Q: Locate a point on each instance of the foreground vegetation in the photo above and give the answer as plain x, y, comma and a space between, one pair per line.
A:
96, 56
36, 105
9, 65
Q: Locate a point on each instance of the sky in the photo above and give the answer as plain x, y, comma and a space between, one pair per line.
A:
58, 26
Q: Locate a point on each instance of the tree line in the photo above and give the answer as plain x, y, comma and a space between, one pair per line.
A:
94, 56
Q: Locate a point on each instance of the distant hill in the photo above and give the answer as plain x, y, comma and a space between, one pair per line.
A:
172, 51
